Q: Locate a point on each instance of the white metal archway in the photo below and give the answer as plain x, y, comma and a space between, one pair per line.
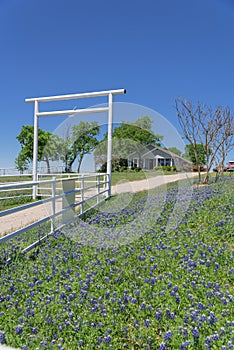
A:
109, 109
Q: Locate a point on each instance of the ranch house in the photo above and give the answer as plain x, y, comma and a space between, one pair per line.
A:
154, 156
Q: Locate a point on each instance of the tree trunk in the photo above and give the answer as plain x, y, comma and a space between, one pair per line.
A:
199, 173
48, 165
67, 168
206, 179
69, 165
79, 163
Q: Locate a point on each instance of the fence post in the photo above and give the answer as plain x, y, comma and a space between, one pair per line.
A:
98, 188
68, 198
107, 185
82, 194
53, 204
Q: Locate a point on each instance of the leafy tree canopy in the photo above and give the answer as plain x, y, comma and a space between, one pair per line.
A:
83, 141
139, 131
128, 138
49, 146
190, 154
174, 150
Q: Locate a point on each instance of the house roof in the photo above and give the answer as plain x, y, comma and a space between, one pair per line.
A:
153, 148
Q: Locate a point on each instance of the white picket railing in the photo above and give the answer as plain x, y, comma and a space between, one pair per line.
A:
73, 192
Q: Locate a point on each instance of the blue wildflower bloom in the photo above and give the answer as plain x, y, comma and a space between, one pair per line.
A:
215, 336
2, 338
107, 339
162, 346
158, 315
147, 322
168, 335
195, 333
184, 345
19, 330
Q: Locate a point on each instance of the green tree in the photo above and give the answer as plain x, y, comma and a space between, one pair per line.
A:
139, 131
199, 158
128, 138
174, 150
49, 146
83, 141
21, 162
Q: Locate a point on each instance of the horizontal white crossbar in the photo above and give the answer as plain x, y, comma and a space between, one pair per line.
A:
73, 111
75, 96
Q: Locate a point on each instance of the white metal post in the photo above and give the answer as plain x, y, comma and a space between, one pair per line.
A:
35, 147
53, 205
82, 194
38, 114
98, 188
109, 141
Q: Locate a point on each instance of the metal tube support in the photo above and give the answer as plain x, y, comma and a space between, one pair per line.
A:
76, 96
109, 141
35, 148
108, 109
73, 112
53, 205
82, 194
98, 188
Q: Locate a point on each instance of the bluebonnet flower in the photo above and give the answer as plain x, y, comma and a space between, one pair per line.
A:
137, 292
222, 330
170, 314
136, 324
224, 301
212, 318
230, 345
2, 338
99, 340
184, 345
125, 329
158, 314
200, 306
147, 322
123, 308
168, 335
195, 333
107, 339
19, 330
162, 346
215, 336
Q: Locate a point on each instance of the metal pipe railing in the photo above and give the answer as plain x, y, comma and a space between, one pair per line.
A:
102, 188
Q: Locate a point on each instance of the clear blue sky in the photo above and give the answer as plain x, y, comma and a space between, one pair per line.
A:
156, 49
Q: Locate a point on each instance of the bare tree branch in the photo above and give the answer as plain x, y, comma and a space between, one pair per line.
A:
201, 124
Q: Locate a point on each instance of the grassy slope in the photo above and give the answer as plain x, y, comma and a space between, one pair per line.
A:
55, 290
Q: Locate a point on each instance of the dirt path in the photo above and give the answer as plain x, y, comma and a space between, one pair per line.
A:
15, 221
137, 186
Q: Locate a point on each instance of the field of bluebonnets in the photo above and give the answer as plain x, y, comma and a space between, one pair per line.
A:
160, 289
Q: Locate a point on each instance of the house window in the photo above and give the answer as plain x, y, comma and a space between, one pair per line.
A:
161, 161
168, 162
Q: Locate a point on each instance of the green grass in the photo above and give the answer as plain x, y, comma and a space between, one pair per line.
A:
16, 178
135, 176
162, 287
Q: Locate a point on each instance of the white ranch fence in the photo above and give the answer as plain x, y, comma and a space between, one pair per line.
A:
64, 200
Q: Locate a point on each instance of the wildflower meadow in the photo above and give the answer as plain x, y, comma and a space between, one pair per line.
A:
125, 279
